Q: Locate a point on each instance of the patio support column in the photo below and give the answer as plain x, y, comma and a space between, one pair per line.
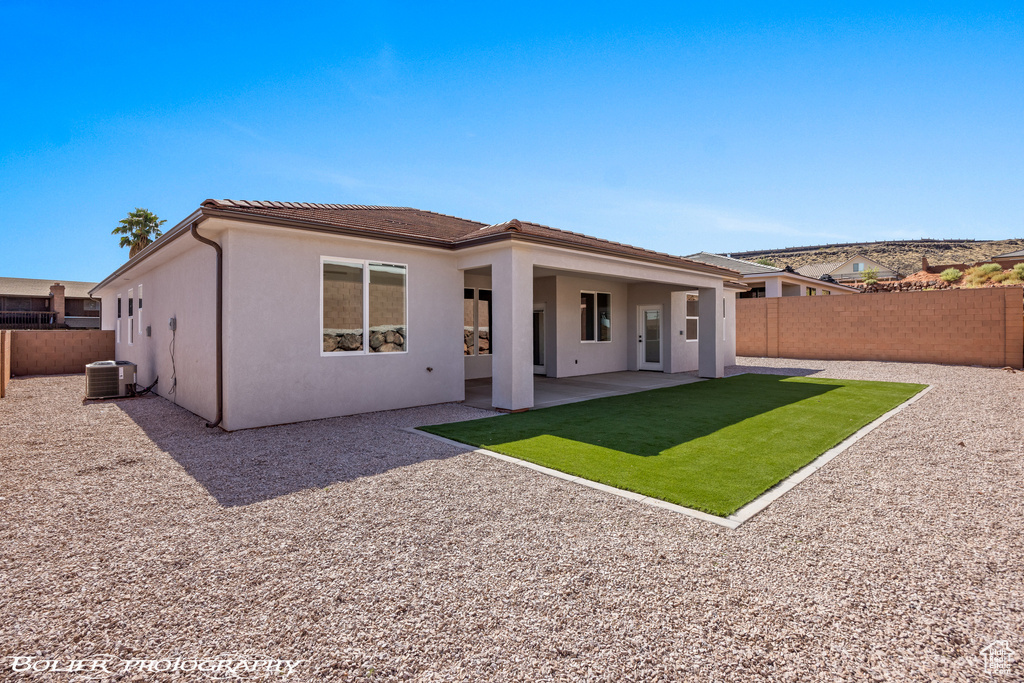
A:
773, 287
710, 329
512, 331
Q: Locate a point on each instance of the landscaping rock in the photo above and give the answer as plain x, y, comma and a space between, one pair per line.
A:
350, 342
372, 553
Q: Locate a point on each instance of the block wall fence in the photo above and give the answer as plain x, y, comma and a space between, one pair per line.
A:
958, 327
58, 352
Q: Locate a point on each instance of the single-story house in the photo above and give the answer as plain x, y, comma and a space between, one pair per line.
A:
256, 313
1009, 259
850, 270
30, 303
770, 281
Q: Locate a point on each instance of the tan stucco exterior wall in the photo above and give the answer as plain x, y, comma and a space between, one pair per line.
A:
180, 283
274, 371
576, 357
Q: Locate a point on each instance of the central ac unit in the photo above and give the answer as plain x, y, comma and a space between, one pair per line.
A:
110, 379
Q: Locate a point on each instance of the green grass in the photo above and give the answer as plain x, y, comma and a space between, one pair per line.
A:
713, 445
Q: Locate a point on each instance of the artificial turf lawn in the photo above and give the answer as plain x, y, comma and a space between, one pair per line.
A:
713, 445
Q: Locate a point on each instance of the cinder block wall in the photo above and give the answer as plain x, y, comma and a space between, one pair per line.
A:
5, 361
960, 327
58, 352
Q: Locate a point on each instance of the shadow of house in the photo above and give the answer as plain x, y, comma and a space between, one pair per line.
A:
648, 423
256, 465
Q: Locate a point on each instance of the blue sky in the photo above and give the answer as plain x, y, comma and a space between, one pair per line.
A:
681, 129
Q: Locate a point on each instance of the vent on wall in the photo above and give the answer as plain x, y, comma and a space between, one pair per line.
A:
109, 379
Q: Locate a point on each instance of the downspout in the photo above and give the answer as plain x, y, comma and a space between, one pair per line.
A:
220, 327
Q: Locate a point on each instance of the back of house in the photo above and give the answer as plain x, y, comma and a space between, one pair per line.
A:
329, 310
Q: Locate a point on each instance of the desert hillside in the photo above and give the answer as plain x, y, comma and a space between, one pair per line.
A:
903, 256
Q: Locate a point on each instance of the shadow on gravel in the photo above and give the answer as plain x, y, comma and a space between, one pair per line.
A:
255, 465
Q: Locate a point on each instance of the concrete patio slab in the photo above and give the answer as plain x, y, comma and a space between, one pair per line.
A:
551, 391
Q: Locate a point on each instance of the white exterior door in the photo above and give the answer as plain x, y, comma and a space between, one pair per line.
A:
649, 347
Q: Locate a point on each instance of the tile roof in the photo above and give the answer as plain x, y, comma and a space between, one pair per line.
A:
744, 267
816, 270
385, 220
19, 286
442, 229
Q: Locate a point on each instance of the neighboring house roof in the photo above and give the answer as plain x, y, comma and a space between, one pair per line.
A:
1012, 254
743, 267
405, 224
750, 270
816, 270
19, 286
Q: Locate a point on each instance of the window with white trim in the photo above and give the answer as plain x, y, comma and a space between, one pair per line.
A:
858, 267
138, 313
131, 316
811, 291
363, 307
692, 316
595, 316
476, 322
117, 328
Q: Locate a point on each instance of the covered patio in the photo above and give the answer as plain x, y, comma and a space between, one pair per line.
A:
543, 327
549, 391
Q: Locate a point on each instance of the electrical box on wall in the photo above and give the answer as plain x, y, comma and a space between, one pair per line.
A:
173, 324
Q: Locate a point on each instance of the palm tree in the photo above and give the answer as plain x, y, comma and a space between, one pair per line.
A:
138, 230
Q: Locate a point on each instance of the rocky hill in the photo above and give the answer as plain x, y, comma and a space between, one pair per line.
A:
903, 256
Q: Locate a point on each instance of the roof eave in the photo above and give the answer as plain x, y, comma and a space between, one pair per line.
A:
155, 246
316, 226
549, 241
206, 211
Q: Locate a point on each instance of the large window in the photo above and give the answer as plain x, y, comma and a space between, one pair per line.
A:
118, 328
363, 307
692, 316
476, 322
595, 316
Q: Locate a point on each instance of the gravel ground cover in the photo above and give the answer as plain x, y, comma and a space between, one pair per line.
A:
375, 554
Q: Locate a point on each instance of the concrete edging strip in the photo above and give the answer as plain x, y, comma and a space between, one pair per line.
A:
734, 520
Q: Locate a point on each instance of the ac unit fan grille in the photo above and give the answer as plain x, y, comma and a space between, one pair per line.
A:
102, 382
